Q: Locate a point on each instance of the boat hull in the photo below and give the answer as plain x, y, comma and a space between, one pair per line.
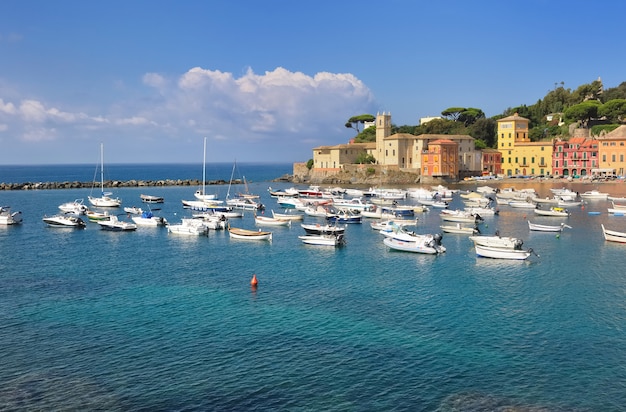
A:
500, 253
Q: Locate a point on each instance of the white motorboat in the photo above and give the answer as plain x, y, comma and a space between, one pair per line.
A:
547, 228
134, 210
69, 221
9, 218
244, 203
213, 221
460, 216
391, 224
323, 240
613, 235
522, 204
105, 199
77, 207
116, 225
553, 211
245, 234
482, 211
147, 218
426, 244
503, 242
270, 221
464, 230
502, 253
95, 216
352, 204
317, 229
189, 227
594, 195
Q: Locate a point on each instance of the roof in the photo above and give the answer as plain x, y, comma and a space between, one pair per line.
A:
367, 145
407, 136
619, 133
514, 117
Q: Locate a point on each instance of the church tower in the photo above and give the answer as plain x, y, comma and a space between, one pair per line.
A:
383, 130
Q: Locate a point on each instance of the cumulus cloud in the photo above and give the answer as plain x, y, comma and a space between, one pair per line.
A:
274, 105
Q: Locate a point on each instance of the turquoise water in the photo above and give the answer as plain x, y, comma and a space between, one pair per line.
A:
151, 321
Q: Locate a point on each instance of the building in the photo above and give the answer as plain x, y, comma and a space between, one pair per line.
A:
491, 162
611, 151
440, 159
577, 156
333, 157
520, 156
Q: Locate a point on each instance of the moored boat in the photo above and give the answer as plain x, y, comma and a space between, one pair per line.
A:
270, 221
426, 244
151, 198
503, 242
553, 211
238, 233
9, 218
502, 253
323, 240
613, 235
68, 221
547, 228
116, 225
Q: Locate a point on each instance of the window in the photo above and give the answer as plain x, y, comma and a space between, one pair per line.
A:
516, 160
612, 158
532, 159
556, 163
604, 158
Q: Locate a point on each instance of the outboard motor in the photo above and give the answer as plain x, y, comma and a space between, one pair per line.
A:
437, 237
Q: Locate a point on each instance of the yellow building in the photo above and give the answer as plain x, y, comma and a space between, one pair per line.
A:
520, 156
612, 152
332, 157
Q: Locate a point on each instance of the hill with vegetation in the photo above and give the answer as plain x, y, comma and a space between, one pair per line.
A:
589, 106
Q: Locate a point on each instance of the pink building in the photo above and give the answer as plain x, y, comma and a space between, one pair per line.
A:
575, 157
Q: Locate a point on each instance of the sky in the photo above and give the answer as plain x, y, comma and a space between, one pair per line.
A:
267, 81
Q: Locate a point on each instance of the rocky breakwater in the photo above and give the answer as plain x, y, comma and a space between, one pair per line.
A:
108, 184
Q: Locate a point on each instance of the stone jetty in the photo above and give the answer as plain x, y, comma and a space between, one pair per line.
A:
111, 184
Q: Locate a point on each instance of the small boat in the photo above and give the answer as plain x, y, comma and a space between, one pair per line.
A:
594, 195
68, 221
133, 210
613, 235
151, 199
146, 218
482, 210
317, 229
95, 216
244, 203
426, 244
270, 221
391, 224
105, 199
189, 227
345, 216
498, 241
547, 228
116, 225
213, 221
287, 215
77, 207
336, 239
238, 233
460, 216
9, 218
553, 211
522, 204
465, 230
502, 253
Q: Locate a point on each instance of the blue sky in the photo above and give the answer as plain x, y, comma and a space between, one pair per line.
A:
269, 80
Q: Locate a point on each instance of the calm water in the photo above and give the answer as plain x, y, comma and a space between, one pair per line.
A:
152, 321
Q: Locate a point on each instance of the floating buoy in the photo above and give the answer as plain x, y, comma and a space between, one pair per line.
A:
254, 282
558, 236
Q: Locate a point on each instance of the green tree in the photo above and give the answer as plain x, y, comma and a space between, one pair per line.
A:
583, 112
367, 135
485, 130
470, 116
353, 122
613, 110
309, 164
453, 113
618, 92
365, 159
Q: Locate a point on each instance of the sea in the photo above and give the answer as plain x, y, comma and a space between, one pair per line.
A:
151, 321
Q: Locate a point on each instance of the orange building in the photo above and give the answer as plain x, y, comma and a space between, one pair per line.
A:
440, 159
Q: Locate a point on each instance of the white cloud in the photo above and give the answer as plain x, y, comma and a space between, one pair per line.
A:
274, 105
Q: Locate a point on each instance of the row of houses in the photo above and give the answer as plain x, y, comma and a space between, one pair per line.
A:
456, 157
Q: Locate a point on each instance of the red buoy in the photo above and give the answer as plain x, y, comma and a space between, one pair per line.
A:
254, 282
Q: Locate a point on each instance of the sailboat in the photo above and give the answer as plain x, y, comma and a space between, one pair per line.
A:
105, 200
242, 201
201, 193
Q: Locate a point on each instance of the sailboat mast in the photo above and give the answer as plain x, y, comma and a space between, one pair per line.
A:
204, 169
102, 168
